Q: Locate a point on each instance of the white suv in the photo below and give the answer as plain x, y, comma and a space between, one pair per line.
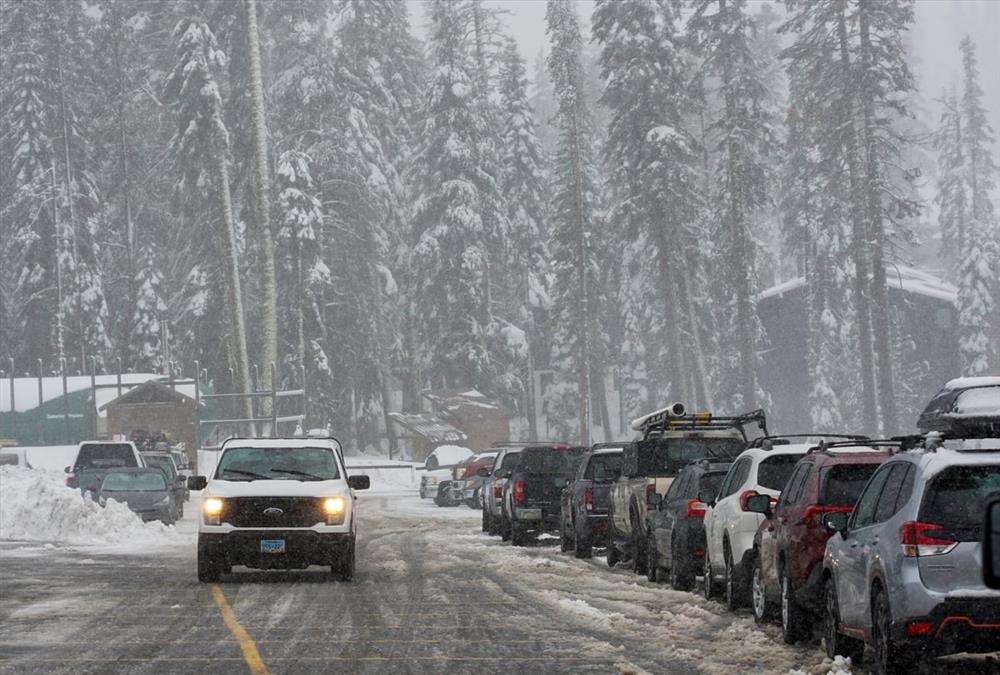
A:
277, 503
730, 527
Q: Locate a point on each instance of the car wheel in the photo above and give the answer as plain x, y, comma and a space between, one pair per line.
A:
486, 521
889, 658
494, 525
180, 511
518, 535
652, 560
763, 612
565, 543
583, 546
795, 625
681, 578
731, 593
613, 557
505, 529
834, 642
209, 567
343, 569
708, 588
637, 550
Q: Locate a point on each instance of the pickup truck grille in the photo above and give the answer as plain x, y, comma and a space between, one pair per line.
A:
281, 511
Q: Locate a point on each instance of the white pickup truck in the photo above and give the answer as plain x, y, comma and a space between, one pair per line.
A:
668, 440
278, 503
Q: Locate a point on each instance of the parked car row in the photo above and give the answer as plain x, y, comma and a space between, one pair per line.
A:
873, 544
149, 483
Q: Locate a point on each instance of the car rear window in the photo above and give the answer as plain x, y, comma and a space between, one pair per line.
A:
133, 482
711, 481
843, 483
775, 471
105, 455
509, 462
667, 456
551, 460
956, 499
605, 467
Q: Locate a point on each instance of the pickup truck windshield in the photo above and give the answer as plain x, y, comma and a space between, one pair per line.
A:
134, 482
551, 460
303, 464
667, 456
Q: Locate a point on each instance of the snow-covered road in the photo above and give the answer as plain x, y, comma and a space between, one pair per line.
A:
432, 595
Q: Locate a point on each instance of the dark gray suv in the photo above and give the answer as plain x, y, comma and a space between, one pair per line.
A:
904, 572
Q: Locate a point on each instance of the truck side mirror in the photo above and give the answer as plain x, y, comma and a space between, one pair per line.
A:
991, 544
653, 500
359, 482
483, 473
197, 483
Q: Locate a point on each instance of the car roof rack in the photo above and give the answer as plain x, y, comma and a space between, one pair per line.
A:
663, 421
893, 445
609, 446
786, 439
525, 444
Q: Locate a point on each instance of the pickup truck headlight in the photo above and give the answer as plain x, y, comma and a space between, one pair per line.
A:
335, 508
212, 510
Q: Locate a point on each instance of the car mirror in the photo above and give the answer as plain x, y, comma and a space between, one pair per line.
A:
836, 522
707, 496
359, 482
68, 469
991, 544
180, 481
759, 504
483, 473
197, 482
653, 500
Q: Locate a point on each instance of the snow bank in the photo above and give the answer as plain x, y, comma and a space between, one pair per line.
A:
50, 457
36, 505
402, 477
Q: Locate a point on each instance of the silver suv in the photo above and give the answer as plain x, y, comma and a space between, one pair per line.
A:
904, 574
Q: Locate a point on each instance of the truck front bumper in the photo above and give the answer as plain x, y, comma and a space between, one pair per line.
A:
301, 548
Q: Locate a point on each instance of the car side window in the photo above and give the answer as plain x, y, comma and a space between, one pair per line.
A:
864, 512
889, 501
793, 491
735, 477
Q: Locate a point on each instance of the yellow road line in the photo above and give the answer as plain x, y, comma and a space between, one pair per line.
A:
313, 659
250, 653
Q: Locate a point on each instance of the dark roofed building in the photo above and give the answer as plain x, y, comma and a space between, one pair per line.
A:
924, 309
155, 408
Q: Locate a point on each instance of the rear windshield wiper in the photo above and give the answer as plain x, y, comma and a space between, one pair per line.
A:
298, 473
245, 473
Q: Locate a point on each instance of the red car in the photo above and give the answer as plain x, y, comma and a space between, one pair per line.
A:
789, 545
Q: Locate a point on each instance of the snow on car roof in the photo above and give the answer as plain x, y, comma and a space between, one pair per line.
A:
965, 382
979, 402
280, 443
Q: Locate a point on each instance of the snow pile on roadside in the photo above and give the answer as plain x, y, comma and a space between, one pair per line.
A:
36, 505
402, 478
447, 455
839, 666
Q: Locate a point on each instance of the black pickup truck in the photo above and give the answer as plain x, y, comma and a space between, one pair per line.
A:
584, 522
531, 498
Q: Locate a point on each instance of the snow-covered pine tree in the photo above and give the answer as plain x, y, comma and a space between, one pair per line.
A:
579, 353
456, 201
199, 150
744, 134
951, 197
150, 309
28, 253
526, 293
646, 71
980, 255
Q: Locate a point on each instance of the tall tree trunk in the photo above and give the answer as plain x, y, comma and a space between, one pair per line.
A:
876, 235
234, 294
671, 319
859, 236
268, 283
583, 330
126, 195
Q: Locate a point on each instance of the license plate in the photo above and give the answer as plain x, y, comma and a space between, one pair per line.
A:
272, 545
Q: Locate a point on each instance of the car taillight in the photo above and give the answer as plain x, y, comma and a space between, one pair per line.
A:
813, 515
519, 491
498, 490
924, 539
696, 509
919, 628
650, 489
588, 499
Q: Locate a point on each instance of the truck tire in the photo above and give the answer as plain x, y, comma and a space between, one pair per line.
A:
343, 569
518, 534
583, 544
505, 529
681, 576
209, 567
487, 525
637, 548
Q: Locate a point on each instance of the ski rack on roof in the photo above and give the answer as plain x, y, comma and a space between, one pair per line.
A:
786, 439
613, 445
893, 445
663, 421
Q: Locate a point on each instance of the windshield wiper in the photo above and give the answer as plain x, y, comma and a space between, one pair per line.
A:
298, 473
245, 473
